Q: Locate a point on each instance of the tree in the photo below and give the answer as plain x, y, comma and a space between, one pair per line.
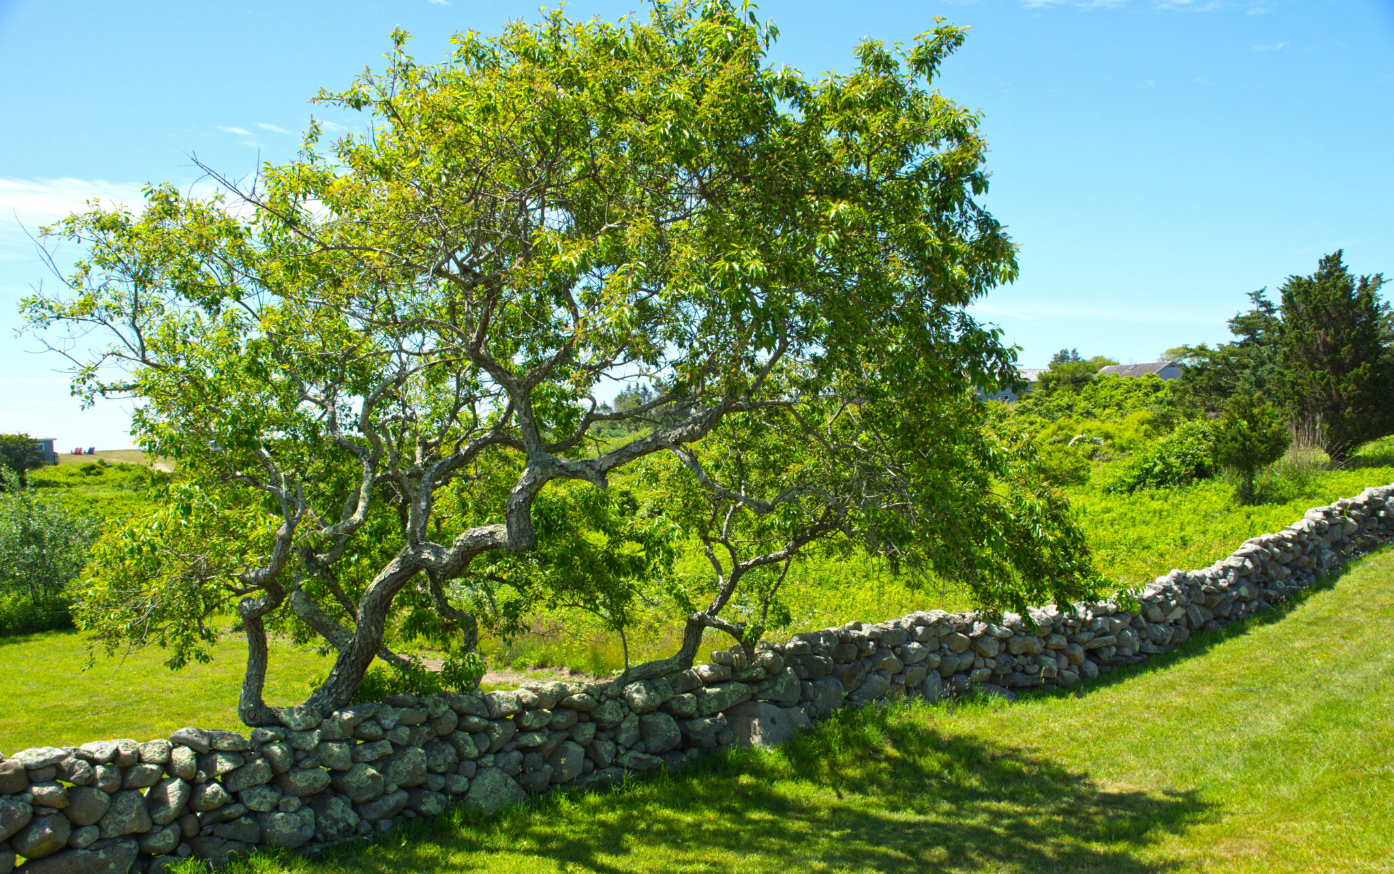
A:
1338, 355
1252, 434
43, 545
1252, 364
378, 375
19, 453
1068, 372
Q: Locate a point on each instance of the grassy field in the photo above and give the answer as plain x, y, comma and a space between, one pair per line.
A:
1261, 748
51, 701
115, 456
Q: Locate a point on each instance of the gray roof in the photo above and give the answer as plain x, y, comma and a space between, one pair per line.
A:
1031, 374
1135, 369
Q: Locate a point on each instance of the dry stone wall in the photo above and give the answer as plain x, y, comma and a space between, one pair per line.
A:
122, 806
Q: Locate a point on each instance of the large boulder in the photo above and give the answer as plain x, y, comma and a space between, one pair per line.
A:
566, 761
167, 800
660, 731
86, 805
287, 830
254, 773
303, 782
335, 819
128, 815
15, 815
491, 790
14, 779
385, 807
714, 699
160, 841
106, 857
42, 836
361, 783
756, 723
406, 767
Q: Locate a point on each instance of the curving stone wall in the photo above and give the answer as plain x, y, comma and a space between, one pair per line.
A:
121, 806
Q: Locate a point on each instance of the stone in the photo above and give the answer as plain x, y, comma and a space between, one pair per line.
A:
86, 805
757, 723
580, 701
568, 759
702, 732
217, 851
491, 790
627, 735
287, 831
782, 688
141, 776
76, 771
426, 802
335, 819
168, 799
160, 841
115, 857
83, 837
39, 757
956, 642
183, 763
501, 704
208, 796
660, 732
714, 699
637, 761
933, 687
305, 741
500, 732
456, 784
43, 836
873, 688
298, 718
361, 783
13, 778
683, 705
51, 794
389, 805
244, 829
823, 696
254, 773
302, 782
641, 697
259, 799
14, 815
220, 763
155, 752
406, 768
195, 738
128, 815
609, 714
335, 755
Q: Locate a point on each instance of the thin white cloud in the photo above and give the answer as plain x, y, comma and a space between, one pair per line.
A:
1256, 10
439, 2
1277, 46
272, 128
1199, 81
40, 201
239, 131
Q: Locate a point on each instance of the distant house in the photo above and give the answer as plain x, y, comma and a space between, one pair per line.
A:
1032, 376
1163, 369
45, 445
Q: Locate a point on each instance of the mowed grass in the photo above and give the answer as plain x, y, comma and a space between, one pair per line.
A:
50, 700
1261, 748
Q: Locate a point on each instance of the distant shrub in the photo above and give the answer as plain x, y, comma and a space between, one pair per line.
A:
1185, 455
43, 546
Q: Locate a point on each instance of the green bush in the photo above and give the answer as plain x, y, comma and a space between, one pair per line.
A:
1185, 455
43, 546
1251, 435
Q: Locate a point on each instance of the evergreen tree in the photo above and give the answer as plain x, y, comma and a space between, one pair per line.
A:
1337, 357
1252, 435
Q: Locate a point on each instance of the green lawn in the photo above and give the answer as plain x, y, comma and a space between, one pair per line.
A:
49, 700
1263, 748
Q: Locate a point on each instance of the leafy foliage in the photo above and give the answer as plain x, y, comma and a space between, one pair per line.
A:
378, 377
1070, 373
43, 547
1251, 435
1185, 455
20, 454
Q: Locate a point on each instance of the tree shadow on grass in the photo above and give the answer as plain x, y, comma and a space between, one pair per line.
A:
870, 790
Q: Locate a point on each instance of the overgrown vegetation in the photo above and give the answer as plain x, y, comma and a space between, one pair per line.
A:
43, 547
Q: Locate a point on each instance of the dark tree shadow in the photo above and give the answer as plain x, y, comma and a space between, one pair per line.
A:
888, 793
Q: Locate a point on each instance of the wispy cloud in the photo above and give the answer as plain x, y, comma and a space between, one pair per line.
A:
439, 2
39, 201
1256, 10
272, 128
239, 131
1083, 4
1273, 48
1199, 81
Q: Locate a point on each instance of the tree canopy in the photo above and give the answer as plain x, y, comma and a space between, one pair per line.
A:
379, 374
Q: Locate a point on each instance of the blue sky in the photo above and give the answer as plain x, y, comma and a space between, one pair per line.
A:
1154, 161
